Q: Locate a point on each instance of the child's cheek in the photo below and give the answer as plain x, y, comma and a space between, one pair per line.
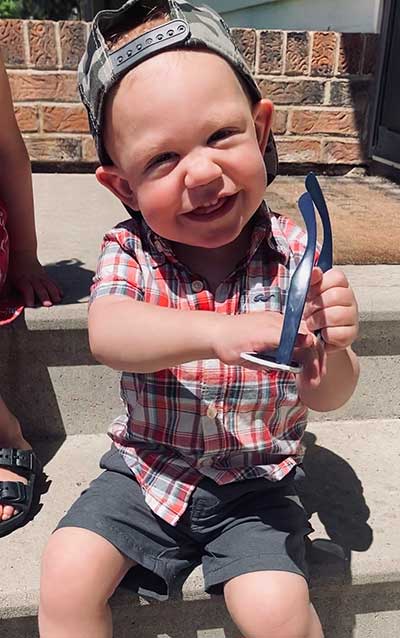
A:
156, 197
253, 167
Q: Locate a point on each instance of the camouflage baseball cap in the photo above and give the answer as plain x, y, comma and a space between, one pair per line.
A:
189, 27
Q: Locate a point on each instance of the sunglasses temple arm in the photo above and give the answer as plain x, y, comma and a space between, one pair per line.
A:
299, 285
325, 261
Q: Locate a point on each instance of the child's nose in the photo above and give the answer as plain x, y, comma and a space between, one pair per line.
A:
201, 171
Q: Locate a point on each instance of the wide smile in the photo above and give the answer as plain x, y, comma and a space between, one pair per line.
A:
213, 211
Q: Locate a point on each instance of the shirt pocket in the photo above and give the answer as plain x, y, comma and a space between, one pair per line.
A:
265, 298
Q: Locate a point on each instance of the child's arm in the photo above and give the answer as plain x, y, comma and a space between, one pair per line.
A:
331, 370
25, 271
136, 336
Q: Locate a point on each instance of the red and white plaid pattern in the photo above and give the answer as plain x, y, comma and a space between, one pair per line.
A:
204, 418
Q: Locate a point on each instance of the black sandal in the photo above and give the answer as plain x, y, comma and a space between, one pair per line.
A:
15, 493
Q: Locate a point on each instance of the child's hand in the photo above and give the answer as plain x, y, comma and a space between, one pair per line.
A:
314, 366
29, 277
253, 332
332, 308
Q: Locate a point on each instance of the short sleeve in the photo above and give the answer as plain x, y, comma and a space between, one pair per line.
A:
118, 270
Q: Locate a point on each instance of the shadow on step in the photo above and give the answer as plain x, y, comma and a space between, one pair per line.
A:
74, 279
333, 491
31, 364
35, 363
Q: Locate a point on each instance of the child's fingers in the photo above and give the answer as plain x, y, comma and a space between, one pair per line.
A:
339, 337
41, 292
335, 316
333, 278
305, 340
54, 291
328, 299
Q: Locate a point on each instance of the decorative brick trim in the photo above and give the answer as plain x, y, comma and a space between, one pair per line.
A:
320, 82
351, 49
246, 40
12, 43
270, 49
297, 53
324, 53
42, 44
72, 43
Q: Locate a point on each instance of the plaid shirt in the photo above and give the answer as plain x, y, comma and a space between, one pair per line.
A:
204, 418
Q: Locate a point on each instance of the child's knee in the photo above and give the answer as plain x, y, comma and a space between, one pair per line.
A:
270, 605
61, 582
70, 572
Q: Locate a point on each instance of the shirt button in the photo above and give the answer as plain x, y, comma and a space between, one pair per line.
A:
212, 411
197, 286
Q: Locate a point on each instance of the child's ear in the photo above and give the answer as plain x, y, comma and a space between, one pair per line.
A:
262, 116
109, 176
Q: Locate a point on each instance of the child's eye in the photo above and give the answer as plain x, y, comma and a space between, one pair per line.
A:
222, 134
161, 159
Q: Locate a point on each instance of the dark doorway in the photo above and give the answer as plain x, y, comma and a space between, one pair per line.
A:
386, 139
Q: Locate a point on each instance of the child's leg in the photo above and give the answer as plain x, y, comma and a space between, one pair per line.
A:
10, 436
80, 572
272, 604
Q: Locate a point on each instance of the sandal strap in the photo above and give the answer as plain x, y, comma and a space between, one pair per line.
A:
12, 492
22, 459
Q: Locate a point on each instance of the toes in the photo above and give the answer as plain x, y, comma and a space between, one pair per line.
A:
7, 512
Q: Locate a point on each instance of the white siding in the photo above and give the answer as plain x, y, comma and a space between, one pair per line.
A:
324, 15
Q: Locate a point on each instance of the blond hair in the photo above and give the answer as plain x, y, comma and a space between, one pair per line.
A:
155, 17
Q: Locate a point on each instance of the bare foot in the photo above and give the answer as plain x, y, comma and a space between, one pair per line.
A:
11, 437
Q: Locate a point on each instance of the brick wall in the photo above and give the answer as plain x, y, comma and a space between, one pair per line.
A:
321, 84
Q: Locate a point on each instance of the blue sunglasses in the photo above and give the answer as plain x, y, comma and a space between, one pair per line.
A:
282, 358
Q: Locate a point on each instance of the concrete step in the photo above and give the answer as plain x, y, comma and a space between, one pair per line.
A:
355, 559
51, 381
48, 376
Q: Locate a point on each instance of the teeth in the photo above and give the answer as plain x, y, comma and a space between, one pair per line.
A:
208, 208
211, 203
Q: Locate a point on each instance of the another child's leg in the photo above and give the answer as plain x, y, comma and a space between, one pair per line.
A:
10, 437
80, 572
272, 604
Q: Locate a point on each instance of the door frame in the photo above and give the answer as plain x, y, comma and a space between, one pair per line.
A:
381, 165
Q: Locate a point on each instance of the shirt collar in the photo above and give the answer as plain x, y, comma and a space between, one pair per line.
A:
263, 230
266, 230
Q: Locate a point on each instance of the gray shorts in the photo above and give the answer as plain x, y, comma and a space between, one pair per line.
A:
234, 529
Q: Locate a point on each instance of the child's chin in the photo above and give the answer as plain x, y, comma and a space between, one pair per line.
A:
215, 243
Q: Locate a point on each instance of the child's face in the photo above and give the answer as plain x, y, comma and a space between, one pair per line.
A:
187, 148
